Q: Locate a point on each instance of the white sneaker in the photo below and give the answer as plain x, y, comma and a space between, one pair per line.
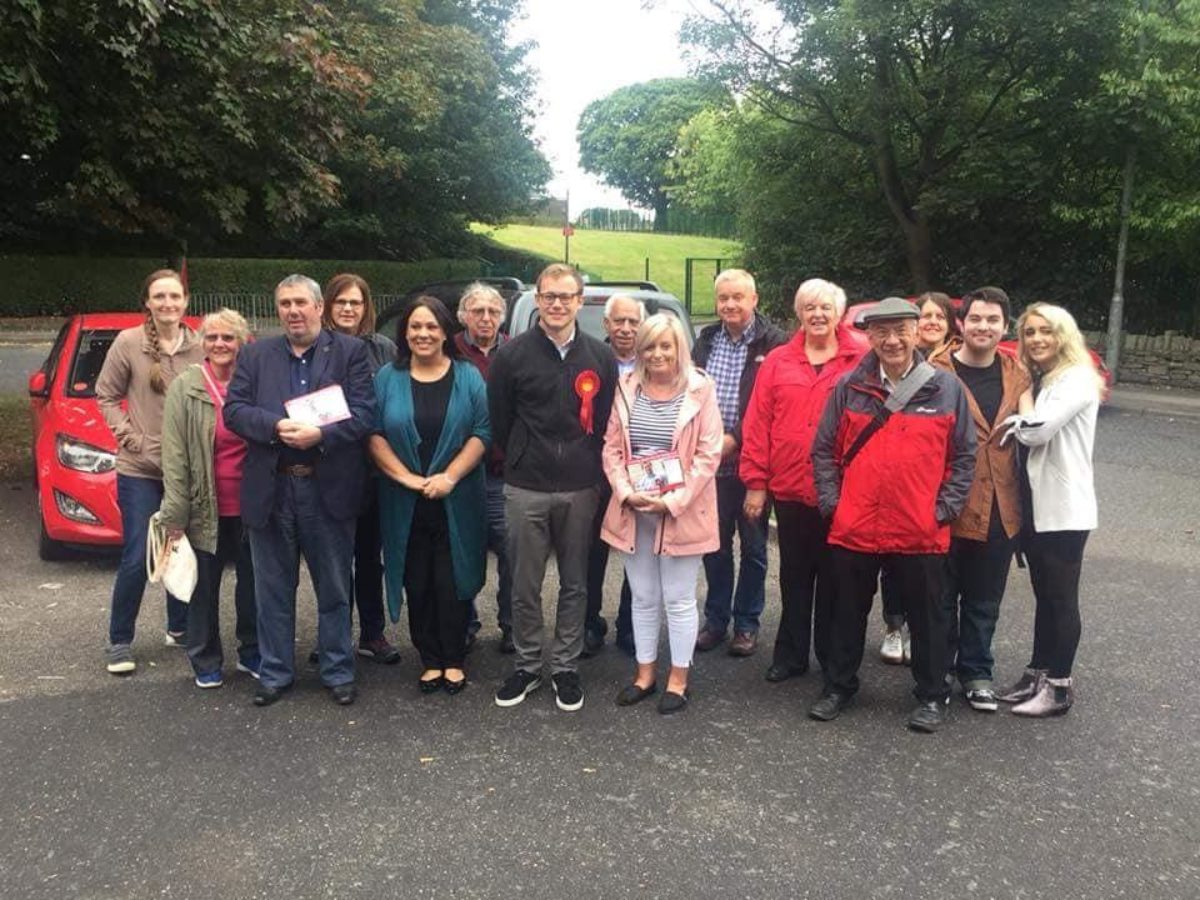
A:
907, 647
176, 639
891, 651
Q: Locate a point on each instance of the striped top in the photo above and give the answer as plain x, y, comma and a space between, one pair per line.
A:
652, 424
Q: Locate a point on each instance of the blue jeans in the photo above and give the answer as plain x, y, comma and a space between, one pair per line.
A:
138, 499
747, 603
299, 525
497, 543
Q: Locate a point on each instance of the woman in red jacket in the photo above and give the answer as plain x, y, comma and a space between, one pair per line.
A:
777, 434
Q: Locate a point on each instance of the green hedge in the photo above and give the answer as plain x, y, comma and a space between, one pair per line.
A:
59, 285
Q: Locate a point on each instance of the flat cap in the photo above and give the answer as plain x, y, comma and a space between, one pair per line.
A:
890, 308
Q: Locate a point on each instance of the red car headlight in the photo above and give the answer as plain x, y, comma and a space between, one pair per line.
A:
84, 457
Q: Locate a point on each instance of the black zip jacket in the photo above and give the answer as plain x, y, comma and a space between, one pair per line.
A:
769, 337
535, 410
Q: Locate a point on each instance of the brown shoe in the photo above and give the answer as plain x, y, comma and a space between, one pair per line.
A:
744, 643
708, 638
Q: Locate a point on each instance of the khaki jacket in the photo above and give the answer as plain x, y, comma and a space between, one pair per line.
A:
125, 375
996, 479
189, 481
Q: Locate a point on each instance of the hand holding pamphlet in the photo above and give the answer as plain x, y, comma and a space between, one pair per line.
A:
323, 407
656, 474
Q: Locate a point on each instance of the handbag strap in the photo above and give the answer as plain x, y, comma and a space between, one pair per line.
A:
896, 401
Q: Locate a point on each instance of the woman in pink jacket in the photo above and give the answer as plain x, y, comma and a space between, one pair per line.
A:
661, 452
781, 421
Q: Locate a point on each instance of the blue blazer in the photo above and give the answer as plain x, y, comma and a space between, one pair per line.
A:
254, 405
466, 505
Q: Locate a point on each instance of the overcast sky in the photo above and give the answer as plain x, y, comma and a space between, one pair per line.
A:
586, 50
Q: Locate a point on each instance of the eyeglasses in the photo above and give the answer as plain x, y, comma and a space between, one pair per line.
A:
349, 304
901, 329
550, 297
485, 312
224, 338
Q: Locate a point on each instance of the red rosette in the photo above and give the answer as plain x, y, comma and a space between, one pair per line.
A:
587, 383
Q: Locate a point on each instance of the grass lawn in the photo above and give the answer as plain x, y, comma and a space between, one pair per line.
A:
15, 438
621, 255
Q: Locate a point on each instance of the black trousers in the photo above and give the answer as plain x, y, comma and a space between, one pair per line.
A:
597, 567
204, 620
368, 571
805, 584
437, 618
892, 602
976, 575
1055, 562
919, 580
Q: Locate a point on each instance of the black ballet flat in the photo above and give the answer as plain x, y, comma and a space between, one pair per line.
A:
431, 685
454, 687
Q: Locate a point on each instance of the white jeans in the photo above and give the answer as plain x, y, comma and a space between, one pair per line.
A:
659, 582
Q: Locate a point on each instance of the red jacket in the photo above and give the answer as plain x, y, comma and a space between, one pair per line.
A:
783, 414
910, 480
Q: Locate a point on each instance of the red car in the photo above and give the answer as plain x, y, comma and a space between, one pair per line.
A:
854, 312
74, 453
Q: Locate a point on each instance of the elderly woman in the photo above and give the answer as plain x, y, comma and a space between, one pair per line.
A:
434, 430
350, 310
666, 521
131, 391
202, 478
481, 310
1057, 425
781, 420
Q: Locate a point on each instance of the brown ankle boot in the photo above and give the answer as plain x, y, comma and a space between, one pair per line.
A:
1053, 698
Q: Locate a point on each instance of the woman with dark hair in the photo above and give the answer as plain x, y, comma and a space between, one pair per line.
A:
348, 308
937, 329
431, 410
141, 363
202, 464
1056, 427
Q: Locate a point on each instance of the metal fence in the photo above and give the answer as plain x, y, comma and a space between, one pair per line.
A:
259, 309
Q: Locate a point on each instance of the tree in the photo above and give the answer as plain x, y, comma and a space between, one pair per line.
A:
629, 138
922, 90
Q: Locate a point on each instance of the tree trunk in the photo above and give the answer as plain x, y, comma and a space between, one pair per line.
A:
660, 213
1116, 307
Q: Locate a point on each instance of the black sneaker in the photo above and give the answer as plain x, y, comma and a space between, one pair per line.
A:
568, 692
928, 717
983, 699
519, 684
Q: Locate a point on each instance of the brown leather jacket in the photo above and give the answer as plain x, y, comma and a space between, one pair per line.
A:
996, 475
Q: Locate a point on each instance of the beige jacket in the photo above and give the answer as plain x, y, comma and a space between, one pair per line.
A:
125, 376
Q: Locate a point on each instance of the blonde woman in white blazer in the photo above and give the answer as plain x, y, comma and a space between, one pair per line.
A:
1057, 427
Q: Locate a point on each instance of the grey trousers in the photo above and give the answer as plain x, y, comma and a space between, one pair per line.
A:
539, 522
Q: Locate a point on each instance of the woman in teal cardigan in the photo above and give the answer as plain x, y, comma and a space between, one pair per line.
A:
433, 431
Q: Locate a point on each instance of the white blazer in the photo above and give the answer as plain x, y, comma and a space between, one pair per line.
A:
1061, 433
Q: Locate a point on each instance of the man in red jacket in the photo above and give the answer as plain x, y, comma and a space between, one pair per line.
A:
893, 461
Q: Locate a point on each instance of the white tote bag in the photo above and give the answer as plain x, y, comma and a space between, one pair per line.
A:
173, 563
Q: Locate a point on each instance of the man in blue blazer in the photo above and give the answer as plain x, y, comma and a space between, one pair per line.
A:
303, 485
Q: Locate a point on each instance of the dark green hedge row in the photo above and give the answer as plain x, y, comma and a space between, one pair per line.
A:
59, 285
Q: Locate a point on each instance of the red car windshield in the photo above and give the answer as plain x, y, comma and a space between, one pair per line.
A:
89, 357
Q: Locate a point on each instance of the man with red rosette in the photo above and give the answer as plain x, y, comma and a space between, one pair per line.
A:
550, 392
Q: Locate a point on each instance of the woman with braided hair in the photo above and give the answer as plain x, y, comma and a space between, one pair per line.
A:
141, 363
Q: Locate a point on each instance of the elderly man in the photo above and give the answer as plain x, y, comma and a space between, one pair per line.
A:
550, 392
481, 310
622, 317
893, 461
304, 482
731, 351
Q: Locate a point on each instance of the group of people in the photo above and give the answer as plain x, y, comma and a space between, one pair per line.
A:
910, 457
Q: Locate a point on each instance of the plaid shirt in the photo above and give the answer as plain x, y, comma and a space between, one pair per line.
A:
725, 364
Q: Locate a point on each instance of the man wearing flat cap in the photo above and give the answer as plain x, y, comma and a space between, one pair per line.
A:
893, 461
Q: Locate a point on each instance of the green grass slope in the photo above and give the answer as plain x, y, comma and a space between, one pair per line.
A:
621, 255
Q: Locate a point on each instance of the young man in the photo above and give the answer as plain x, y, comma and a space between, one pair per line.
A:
303, 485
731, 351
984, 536
550, 392
892, 460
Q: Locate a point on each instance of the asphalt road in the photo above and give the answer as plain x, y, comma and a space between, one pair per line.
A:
146, 786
